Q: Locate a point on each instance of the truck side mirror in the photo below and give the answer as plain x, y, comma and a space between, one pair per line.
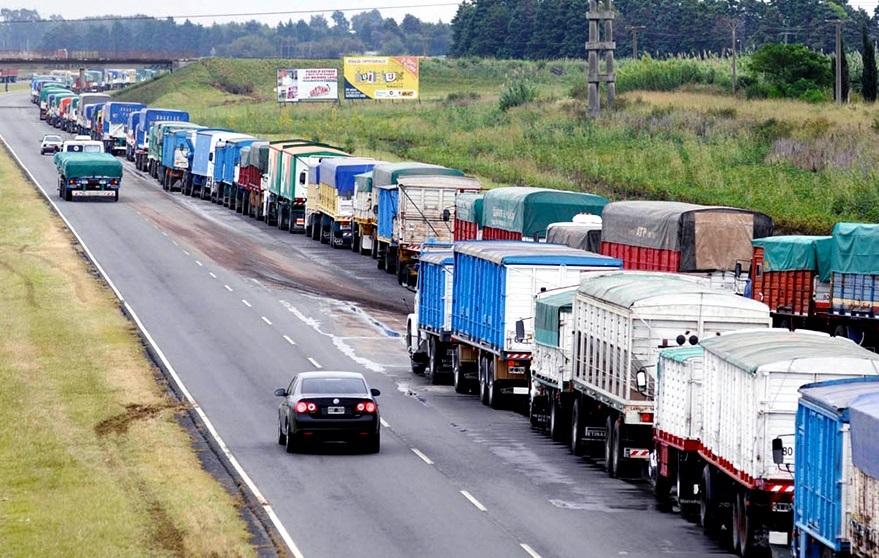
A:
641, 380
447, 215
520, 331
778, 451
375, 209
210, 156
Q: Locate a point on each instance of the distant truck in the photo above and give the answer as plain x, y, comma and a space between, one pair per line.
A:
490, 342
363, 229
155, 144
114, 117
227, 168
83, 120
131, 133
44, 96
141, 137
289, 203
201, 176
827, 518
252, 179
468, 216
174, 152
332, 218
414, 212
585, 235
88, 175
522, 213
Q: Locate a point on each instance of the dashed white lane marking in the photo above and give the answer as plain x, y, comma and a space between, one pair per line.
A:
384, 422
288, 340
266, 320
531, 552
199, 263
185, 252
211, 273
249, 305
174, 242
474, 501
228, 288
164, 233
314, 363
421, 455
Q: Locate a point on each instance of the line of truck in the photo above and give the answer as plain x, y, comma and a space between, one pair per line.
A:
655, 337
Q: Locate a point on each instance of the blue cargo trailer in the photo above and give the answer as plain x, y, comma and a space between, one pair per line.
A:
173, 157
113, 121
823, 465
227, 164
201, 173
495, 283
429, 328
131, 132
147, 118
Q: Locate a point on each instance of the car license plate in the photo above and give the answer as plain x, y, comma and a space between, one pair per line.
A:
335, 410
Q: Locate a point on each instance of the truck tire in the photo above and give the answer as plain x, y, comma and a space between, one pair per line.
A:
707, 502
533, 409
749, 534
458, 380
483, 382
355, 239
686, 478
495, 398
577, 446
116, 196
557, 430
612, 447
373, 251
68, 194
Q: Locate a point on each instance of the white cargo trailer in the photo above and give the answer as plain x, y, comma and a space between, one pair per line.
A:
750, 391
621, 322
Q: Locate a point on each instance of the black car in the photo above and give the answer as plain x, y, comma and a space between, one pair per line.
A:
329, 406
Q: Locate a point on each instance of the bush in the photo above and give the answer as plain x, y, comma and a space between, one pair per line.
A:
515, 94
667, 75
791, 71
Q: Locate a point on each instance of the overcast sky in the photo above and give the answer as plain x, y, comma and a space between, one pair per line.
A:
84, 8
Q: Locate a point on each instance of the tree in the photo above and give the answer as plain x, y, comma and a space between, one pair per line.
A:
868, 76
340, 23
791, 68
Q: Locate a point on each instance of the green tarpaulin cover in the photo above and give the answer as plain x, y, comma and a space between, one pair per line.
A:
363, 182
530, 211
855, 249
682, 354
791, 253
86, 165
387, 174
546, 316
468, 207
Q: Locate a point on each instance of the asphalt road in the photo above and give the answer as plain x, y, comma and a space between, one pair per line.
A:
238, 308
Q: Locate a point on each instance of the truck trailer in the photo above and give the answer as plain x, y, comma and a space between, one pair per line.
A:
228, 168
253, 179
294, 192
83, 121
332, 218
468, 216
521, 213
141, 134
363, 229
114, 117
88, 175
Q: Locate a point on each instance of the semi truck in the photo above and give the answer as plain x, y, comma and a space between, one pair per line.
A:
621, 322
714, 242
363, 229
468, 216
228, 168
44, 97
331, 221
413, 212
493, 305
824, 475
131, 133
114, 117
177, 149
155, 145
200, 177
70, 116
88, 175
291, 182
141, 137
253, 179
521, 213
429, 327
83, 121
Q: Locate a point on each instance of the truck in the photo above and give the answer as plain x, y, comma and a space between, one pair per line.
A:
131, 133
113, 120
83, 120
621, 322
713, 242
363, 227
252, 179
53, 109
292, 181
147, 118
218, 163
824, 498
524, 213
269, 200
468, 216
864, 419
583, 235
791, 275
70, 116
429, 327
228, 168
46, 95
200, 177
385, 176
331, 221
88, 175
155, 144
38, 82
60, 115
493, 309
177, 148
414, 212
749, 399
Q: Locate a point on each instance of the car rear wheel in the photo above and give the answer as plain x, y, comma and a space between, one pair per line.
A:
282, 438
290, 442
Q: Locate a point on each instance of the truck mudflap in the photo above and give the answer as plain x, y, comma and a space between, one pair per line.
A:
636, 453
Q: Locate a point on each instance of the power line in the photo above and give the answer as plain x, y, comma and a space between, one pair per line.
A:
238, 14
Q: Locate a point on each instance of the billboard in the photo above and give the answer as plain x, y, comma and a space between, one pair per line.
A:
308, 84
381, 77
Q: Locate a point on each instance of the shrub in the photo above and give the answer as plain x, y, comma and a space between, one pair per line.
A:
667, 75
791, 70
515, 94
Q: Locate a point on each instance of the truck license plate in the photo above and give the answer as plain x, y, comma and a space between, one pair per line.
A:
516, 369
93, 193
595, 433
335, 410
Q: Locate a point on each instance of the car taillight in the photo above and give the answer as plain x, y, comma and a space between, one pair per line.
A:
305, 407
365, 407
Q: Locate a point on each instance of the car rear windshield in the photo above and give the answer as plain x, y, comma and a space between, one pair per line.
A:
333, 385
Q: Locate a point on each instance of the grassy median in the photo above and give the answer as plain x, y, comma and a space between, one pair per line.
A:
92, 459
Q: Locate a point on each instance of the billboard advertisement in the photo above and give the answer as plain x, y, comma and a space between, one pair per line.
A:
381, 77
308, 84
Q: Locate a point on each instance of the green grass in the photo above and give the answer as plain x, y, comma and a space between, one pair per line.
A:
92, 460
808, 166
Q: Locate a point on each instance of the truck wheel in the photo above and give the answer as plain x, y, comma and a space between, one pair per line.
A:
373, 251
433, 361
577, 446
116, 196
533, 410
68, 194
355, 240
458, 380
661, 488
707, 509
557, 429
749, 533
612, 447
483, 381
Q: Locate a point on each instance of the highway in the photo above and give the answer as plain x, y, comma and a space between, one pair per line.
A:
238, 308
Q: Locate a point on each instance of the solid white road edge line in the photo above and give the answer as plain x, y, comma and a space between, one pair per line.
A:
531, 552
288, 340
266, 320
246, 303
288, 540
314, 363
474, 501
421, 455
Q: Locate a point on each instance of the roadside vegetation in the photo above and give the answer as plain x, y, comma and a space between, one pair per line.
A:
92, 460
675, 134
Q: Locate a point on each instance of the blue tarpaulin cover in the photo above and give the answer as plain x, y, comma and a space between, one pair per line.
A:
864, 418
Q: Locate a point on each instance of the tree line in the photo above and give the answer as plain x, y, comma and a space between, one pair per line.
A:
26, 30
546, 29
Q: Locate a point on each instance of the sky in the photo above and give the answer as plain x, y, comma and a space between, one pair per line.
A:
85, 8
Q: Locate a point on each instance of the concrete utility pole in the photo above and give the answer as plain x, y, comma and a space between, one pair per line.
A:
600, 17
634, 31
838, 65
733, 25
